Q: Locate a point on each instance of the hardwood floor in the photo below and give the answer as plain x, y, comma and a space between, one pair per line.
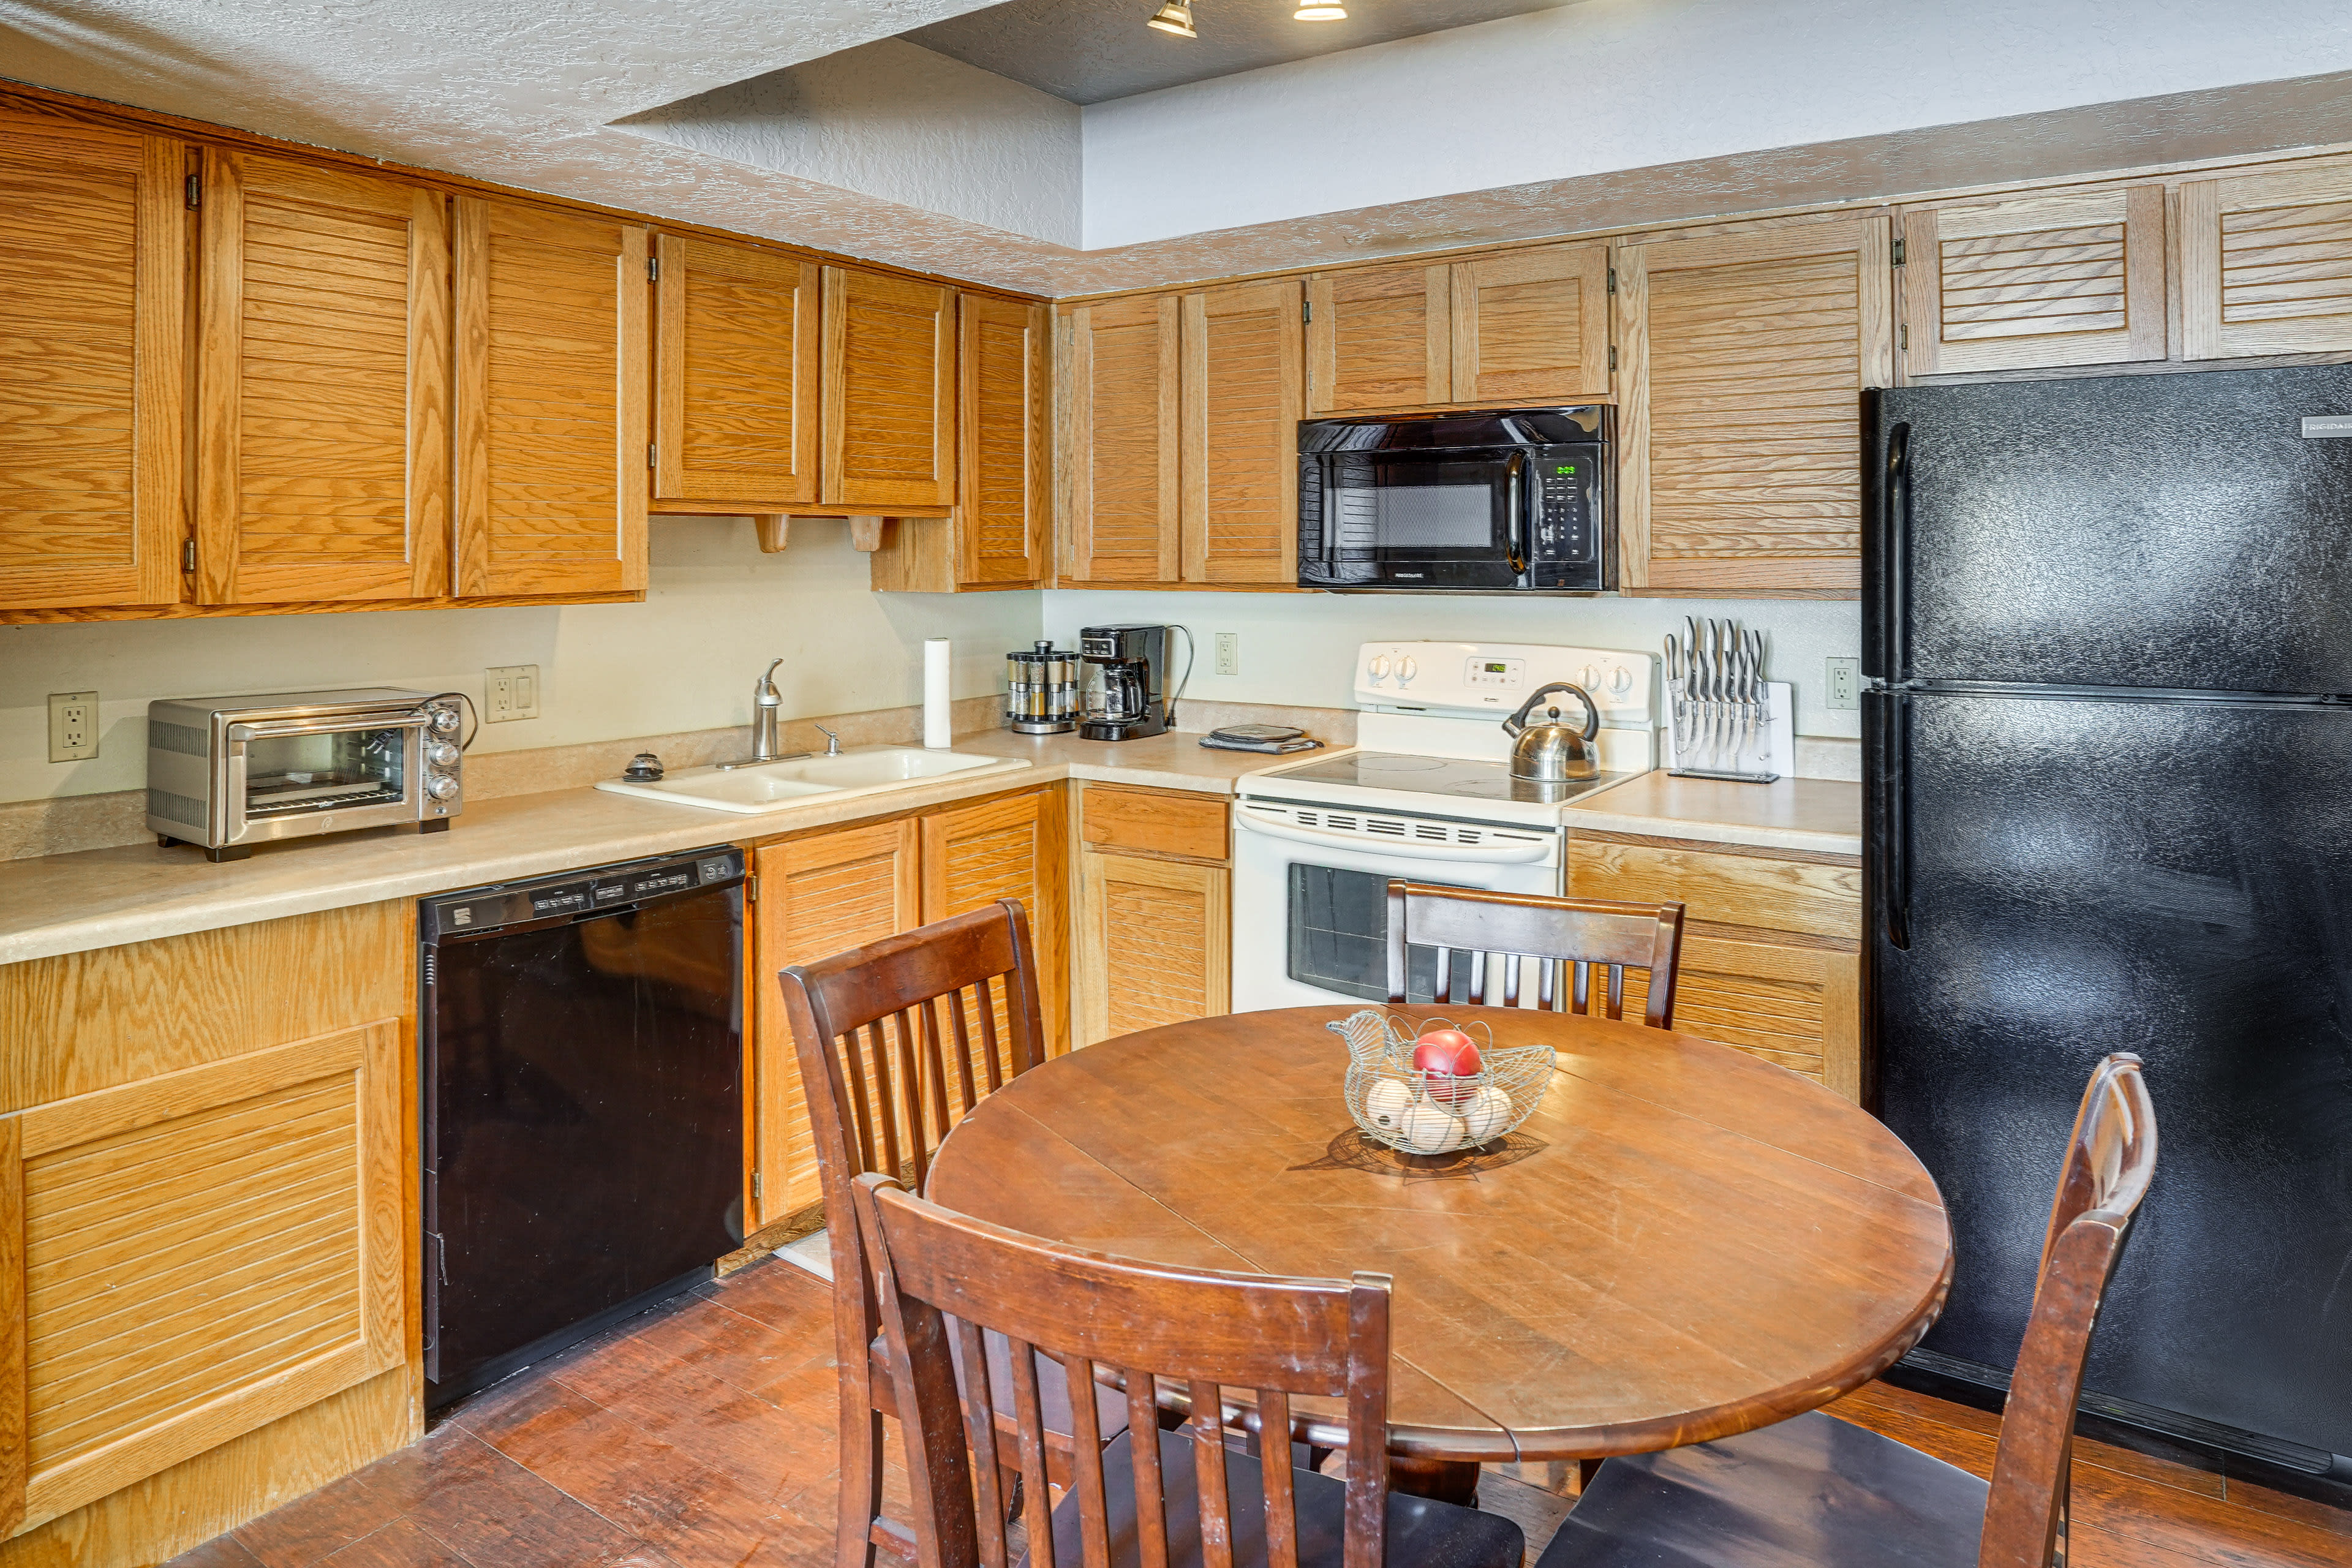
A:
703, 1432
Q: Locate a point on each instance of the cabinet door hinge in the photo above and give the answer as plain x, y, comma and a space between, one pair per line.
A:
1306, 310
653, 454
653, 269
1612, 356
1903, 336
755, 1184
1612, 280
752, 889
187, 555
1898, 253
195, 192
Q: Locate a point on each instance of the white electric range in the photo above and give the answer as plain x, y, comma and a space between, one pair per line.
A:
1425, 794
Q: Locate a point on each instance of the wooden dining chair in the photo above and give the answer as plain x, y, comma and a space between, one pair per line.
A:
1818, 1491
1567, 940
898, 1040
1183, 1498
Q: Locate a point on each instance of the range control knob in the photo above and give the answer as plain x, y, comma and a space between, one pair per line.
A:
446, 720
441, 755
1622, 681
1379, 668
1588, 677
440, 786
1406, 670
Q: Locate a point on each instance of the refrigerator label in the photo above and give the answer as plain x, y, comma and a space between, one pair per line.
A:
2327, 424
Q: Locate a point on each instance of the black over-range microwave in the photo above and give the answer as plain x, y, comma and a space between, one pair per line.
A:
1500, 499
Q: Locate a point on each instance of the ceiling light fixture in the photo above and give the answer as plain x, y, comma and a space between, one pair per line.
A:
1319, 11
1175, 16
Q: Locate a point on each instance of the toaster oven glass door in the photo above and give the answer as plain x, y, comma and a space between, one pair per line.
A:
297, 772
1437, 520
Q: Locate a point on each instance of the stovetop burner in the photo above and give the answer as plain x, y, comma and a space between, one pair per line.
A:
1459, 778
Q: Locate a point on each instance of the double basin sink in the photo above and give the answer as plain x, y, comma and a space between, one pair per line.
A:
755, 787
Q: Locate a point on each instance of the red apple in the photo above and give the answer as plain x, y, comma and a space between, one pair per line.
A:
1446, 1053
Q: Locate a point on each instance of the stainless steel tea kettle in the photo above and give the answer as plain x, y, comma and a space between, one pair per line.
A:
1554, 752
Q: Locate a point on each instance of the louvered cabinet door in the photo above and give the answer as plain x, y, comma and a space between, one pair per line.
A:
817, 897
1154, 944
1006, 468
735, 390
2033, 281
1795, 1003
1380, 337
889, 391
552, 435
2266, 263
1532, 326
191, 1257
1120, 440
1017, 847
1241, 383
322, 385
1743, 359
92, 365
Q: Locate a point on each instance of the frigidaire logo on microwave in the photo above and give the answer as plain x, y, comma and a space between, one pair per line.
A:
2327, 424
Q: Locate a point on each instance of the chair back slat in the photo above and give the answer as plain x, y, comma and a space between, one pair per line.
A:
2110, 1159
979, 1430
1163, 1327
1567, 939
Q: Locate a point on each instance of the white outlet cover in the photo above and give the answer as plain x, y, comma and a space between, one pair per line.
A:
73, 726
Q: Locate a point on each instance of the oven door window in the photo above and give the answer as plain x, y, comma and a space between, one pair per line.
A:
1445, 521
334, 770
1339, 931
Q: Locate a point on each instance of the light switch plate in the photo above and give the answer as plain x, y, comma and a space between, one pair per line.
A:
1229, 653
513, 692
73, 726
1843, 685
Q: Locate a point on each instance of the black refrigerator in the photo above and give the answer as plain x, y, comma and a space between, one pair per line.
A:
2107, 740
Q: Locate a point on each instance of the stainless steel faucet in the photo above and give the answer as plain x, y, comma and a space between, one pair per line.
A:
765, 700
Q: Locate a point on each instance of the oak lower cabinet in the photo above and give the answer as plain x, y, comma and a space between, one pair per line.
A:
1772, 945
1742, 356
832, 890
207, 1252
1154, 930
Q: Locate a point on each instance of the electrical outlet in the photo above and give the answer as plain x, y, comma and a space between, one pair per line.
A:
73, 726
1844, 684
1229, 653
513, 692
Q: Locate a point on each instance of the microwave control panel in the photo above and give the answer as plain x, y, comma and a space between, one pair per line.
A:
1565, 490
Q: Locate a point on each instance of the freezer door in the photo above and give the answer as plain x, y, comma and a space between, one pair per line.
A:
2149, 531
2169, 878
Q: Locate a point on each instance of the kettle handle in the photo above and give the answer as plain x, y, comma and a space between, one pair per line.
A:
1518, 721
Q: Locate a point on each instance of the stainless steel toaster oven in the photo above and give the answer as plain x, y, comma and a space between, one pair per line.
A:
229, 773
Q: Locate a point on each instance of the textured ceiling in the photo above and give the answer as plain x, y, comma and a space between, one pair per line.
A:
1089, 51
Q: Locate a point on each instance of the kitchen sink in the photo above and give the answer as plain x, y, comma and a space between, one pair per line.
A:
772, 786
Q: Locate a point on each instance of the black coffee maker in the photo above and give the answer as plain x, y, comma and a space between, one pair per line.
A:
1123, 682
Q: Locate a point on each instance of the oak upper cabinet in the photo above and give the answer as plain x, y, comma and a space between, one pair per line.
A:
93, 359
889, 391
1119, 442
736, 344
1003, 516
322, 385
2266, 262
820, 895
2029, 282
551, 424
1243, 397
1379, 337
1153, 939
1531, 326
1742, 358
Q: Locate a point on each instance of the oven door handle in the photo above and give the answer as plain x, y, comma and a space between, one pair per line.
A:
1514, 854
268, 729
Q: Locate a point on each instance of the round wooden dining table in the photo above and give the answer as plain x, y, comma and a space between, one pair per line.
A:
1682, 1241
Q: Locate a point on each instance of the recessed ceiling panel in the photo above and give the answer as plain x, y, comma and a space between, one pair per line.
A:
1089, 51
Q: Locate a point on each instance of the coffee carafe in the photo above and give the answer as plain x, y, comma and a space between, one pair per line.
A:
1123, 682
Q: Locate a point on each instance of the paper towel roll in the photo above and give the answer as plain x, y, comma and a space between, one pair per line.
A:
938, 726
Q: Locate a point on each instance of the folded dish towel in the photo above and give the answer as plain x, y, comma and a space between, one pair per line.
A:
1259, 738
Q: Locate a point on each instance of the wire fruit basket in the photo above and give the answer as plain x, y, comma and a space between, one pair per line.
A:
1420, 1112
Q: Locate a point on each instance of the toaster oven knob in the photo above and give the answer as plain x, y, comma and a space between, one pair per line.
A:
446, 720
441, 755
440, 786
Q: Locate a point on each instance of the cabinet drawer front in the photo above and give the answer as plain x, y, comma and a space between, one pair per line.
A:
1192, 826
1805, 896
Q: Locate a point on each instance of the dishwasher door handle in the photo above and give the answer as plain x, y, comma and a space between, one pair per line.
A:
1518, 852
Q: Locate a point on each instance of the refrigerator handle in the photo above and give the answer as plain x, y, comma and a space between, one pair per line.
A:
1895, 818
1888, 656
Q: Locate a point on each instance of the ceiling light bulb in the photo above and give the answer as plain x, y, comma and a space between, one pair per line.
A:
1319, 11
1175, 16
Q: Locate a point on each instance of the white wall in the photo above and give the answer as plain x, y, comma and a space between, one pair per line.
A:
1300, 648
899, 121
716, 611
1609, 85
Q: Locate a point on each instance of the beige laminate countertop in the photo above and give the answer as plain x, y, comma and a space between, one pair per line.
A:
98, 898
1820, 815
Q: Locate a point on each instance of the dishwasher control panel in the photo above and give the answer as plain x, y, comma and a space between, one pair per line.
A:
577, 895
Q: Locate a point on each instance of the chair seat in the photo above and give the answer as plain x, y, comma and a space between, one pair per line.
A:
1422, 1533
1811, 1492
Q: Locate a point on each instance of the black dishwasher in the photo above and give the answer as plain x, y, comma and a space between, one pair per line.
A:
581, 1061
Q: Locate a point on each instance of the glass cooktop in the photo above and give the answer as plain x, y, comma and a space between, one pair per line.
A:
1455, 776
